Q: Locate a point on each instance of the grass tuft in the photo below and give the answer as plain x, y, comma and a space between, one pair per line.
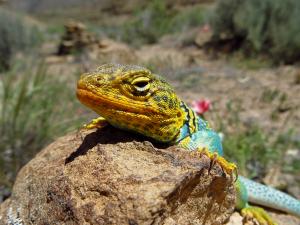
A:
16, 35
156, 20
35, 108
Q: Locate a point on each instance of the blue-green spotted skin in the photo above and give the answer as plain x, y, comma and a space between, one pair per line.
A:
195, 134
267, 196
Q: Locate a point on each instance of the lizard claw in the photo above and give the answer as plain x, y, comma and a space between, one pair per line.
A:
99, 122
258, 214
229, 168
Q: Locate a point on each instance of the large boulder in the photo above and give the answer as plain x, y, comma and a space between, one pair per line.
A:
108, 176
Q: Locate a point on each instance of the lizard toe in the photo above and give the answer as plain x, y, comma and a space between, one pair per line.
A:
257, 214
99, 122
229, 168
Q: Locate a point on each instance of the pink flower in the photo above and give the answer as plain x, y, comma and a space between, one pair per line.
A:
201, 106
206, 28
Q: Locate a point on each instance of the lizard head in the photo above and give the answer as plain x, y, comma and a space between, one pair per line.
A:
133, 98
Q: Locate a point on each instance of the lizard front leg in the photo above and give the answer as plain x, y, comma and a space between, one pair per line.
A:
208, 142
228, 167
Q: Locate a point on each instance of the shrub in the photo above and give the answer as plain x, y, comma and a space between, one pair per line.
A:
262, 26
34, 108
254, 149
157, 20
251, 150
15, 35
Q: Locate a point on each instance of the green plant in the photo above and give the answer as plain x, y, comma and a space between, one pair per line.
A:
149, 24
251, 150
260, 26
157, 20
269, 95
16, 34
250, 146
34, 108
192, 17
246, 62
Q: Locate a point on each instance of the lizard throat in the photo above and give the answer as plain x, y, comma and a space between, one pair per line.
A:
130, 117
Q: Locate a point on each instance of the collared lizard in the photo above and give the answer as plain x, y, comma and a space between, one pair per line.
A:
133, 98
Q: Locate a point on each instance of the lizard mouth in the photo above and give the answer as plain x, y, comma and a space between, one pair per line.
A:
101, 103
108, 107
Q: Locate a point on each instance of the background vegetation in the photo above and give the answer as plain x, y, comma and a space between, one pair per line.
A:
37, 101
17, 35
268, 27
156, 20
35, 108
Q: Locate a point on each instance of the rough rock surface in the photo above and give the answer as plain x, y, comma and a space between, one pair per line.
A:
279, 217
112, 177
75, 39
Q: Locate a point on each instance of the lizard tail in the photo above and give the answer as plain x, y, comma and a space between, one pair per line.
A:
270, 197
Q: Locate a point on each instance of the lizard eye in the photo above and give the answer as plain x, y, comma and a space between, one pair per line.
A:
141, 84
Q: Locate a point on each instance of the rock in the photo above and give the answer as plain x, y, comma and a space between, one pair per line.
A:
117, 52
284, 219
280, 218
179, 40
159, 57
109, 176
203, 36
76, 39
235, 219
297, 77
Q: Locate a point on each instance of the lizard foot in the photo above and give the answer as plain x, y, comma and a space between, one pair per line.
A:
257, 213
99, 122
229, 168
